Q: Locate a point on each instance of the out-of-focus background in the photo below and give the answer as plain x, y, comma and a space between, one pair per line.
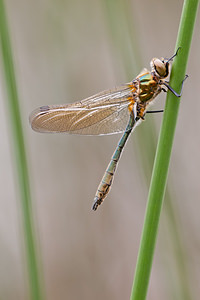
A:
65, 51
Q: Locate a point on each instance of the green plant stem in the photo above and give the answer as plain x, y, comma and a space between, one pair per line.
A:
19, 153
162, 159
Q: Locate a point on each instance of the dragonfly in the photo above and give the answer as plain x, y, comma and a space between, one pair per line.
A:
109, 112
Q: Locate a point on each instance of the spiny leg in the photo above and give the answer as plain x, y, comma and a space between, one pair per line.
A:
172, 90
171, 58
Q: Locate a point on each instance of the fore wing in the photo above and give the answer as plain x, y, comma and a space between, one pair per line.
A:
104, 113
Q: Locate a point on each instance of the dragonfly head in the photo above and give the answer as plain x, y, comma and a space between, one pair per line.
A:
160, 67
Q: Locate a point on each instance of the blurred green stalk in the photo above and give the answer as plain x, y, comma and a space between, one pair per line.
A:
18, 150
162, 159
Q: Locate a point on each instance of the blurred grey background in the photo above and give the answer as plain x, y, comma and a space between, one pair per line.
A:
65, 51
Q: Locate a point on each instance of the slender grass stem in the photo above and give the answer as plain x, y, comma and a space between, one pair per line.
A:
162, 159
18, 150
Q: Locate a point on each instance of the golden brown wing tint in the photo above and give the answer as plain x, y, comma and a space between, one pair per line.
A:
103, 113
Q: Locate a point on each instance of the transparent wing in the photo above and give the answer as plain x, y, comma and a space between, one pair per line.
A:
103, 113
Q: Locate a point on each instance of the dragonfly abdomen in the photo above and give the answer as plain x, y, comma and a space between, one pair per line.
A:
107, 179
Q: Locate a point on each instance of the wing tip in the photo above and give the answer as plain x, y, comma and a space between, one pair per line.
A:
35, 114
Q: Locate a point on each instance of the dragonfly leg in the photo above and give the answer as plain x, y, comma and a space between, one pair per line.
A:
154, 111
172, 90
135, 111
171, 58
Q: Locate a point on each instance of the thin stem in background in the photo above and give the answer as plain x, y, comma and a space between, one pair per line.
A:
19, 153
161, 165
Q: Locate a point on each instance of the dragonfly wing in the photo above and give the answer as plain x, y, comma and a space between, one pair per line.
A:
104, 113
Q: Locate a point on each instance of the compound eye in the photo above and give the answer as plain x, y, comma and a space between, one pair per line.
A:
161, 67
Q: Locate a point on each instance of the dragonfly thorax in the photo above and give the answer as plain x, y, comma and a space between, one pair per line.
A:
160, 67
